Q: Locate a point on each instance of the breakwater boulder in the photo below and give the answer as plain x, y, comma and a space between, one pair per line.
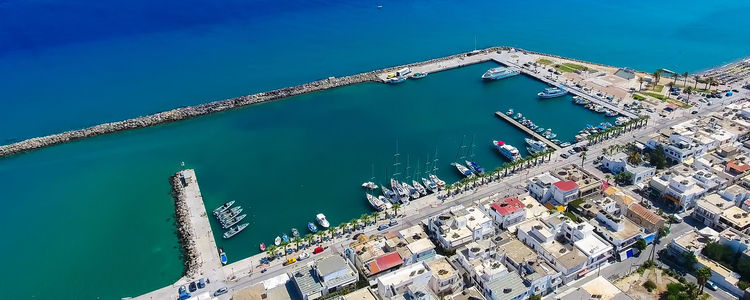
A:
185, 231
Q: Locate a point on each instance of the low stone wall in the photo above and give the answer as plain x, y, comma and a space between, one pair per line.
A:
185, 232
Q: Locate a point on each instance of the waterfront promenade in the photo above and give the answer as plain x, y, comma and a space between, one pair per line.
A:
527, 130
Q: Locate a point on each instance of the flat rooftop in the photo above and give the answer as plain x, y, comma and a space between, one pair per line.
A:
441, 268
592, 246
568, 256
602, 286
736, 216
630, 230
517, 252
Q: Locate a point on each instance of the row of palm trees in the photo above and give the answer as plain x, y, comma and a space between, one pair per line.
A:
617, 130
320, 236
500, 172
708, 81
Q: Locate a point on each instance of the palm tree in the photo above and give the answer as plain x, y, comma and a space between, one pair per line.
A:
308, 238
583, 157
284, 245
688, 91
375, 215
685, 77
634, 158
297, 241
341, 227
354, 222
671, 85
697, 79
702, 275
271, 250
691, 289
396, 206
607, 177
640, 81
657, 76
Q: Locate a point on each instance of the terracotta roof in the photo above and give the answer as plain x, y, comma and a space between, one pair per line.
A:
566, 186
385, 262
646, 214
741, 168
507, 206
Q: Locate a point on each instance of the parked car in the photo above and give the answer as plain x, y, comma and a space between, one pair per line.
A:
383, 227
694, 112
220, 292
290, 261
711, 285
572, 151
564, 155
320, 249
393, 223
182, 289
353, 237
201, 283
193, 287
303, 256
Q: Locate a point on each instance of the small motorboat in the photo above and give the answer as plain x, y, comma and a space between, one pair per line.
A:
277, 241
312, 227
295, 233
509, 112
419, 75
285, 238
223, 256
322, 220
262, 247
370, 185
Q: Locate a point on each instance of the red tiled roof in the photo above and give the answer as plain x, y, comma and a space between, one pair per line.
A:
566, 186
386, 262
737, 167
507, 206
646, 214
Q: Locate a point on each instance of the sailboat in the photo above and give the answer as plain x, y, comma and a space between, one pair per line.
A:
459, 156
476, 168
403, 194
370, 185
413, 192
420, 188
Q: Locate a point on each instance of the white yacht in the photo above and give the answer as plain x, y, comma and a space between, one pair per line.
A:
507, 150
535, 146
322, 220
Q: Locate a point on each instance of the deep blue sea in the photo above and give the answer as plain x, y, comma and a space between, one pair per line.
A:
97, 214
70, 64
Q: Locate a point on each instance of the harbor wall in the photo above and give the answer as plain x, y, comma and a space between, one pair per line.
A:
189, 112
185, 231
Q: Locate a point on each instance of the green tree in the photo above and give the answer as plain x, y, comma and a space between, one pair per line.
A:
641, 244
703, 274
658, 158
296, 242
689, 259
697, 79
663, 231
634, 158
649, 285
396, 206
685, 78
535, 297
583, 158
640, 82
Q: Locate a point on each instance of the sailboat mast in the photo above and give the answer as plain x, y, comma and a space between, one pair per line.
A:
435, 162
396, 163
406, 171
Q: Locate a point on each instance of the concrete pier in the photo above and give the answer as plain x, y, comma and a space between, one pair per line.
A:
196, 238
527, 130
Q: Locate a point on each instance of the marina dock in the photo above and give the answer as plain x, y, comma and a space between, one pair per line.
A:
527, 130
571, 89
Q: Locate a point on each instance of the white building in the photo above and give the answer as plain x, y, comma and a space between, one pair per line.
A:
540, 185
506, 212
683, 191
709, 208
563, 192
460, 226
398, 282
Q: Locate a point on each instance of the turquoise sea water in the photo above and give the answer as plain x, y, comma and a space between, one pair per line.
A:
99, 210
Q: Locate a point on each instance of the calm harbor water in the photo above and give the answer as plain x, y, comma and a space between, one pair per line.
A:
99, 210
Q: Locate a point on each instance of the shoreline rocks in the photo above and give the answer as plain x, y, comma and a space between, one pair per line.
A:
185, 232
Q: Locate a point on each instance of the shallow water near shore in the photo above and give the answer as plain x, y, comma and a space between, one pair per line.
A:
99, 210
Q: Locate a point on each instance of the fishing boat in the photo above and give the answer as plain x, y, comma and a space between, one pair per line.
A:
223, 207
552, 92
375, 202
235, 230
565, 144
233, 221
419, 75
599, 108
312, 227
476, 168
420, 188
518, 116
321, 218
500, 73
285, 238
550, 135
440, 183
611, 113
262, 247
535, 146
430, 185
277, 240
412, 191
390, 195
507, 150
539, 130
295, 233
370, 185
397, 79
509, 112
579, 100
222, 256
556, 141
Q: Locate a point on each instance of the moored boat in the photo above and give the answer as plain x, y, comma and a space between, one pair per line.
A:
321, 218
420, 188
419, 75
370, 185
222, 256
439, 182
312, 227
228, 214
285, 238
463, 169
510, 152
375, 202
413, 193
397, 79
509, 112
518, 116
223, 207
500, 73
552, 92
475, 167
235, 230
430, 185
295, 232
277, 240
233, 221
535, 146
403, 195
262, 246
